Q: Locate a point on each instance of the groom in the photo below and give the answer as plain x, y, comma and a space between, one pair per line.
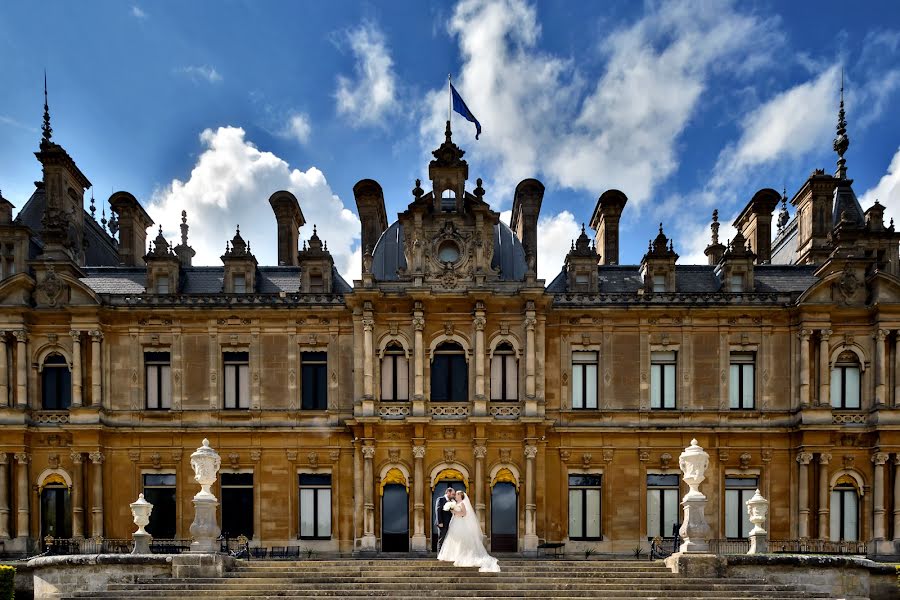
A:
442, 517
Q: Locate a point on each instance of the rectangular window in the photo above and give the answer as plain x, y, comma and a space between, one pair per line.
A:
741, 387
314, 380
394, 376
158, 379
845, 386
584, 507
162, 285
237, 504
504, 377
316, 283
662, 506
737, 284
159, 490
239, 283
659, 283
662, 379
737, 491
844, 514
315, 506
584, 380
237, 379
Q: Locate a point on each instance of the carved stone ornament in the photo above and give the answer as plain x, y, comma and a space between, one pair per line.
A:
140, 513
848, 461
880, 458
394, 455
313, 459
804, 458
449, 433
255, 454
505, 455
449, 454
565, 454
665, 460
480, 452
235, 460
745, 459
291, 455
849, 284
643, 455
418, 323
368, 452
530, 452
156, 459
133, 456
53, 461
608, 454
824, 458
448, 329
51, 287
418, 452
586, 459
334, 455
97, 457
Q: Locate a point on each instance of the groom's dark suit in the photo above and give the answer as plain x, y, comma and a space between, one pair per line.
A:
442, 517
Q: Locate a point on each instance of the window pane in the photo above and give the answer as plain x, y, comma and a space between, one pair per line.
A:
497, 377
746, 525
237, 510
387, 377
851, 515
655, 383
233, 479
575, 514
836, 390
165, 479
732, 513
402, 378
834, 529
321, 387
460, 383
584, 480
852, 387
324, 521
307, 512
669, 398
512, 378
440, 377
748, 401
592, 512
734, 391
577, 386
653, 513
230, 373
152, 389
590, 379
670, 510
244, 381
662, 480
311, 479
166, 388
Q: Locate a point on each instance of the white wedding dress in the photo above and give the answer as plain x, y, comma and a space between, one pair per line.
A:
463, 545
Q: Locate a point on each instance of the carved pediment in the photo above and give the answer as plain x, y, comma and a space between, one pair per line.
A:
17, 290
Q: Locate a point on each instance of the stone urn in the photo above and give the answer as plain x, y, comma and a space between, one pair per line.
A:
205, 462
693, 463
205, 527
758, 510
694, 528
140, 511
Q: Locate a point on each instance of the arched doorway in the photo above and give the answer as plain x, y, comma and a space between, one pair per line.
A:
394, 512
504, 513
446, 478
56, 508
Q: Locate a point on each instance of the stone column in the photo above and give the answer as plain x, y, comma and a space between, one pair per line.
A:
77, 494
879, 530
76, 368
530, 350
824, 371
22, 496
531, 539
357, 495
418, 322
804, 459
4, 372
368, 540
4, 496
480, 452
97, 494
897, 501
480, 406
897, 368
880, 367
804, 367
21, 368
368, 399
824, 495
96, 381
419, 543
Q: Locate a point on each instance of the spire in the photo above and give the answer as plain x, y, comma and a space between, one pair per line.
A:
46, 130
184, 228
93, 208
841, 140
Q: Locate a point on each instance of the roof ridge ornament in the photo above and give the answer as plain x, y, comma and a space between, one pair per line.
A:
841, 140
46, 130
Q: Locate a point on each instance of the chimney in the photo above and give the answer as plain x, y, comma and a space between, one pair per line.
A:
370, 205
6, 209
755, 223
133, 224
605, 222
525, 211
290, 219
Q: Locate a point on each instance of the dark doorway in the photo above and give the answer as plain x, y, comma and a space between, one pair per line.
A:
395, 518
504, 518
237, 504
439, 489
56, 512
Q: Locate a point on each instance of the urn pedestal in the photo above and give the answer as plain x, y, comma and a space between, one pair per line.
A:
205, 528
694, 529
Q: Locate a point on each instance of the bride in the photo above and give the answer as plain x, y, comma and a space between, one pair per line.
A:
463, 545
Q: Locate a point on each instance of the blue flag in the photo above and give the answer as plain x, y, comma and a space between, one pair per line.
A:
460, 107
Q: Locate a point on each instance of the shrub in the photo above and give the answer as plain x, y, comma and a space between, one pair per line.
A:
7, 582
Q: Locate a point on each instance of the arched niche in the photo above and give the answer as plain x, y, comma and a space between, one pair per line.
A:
53, 477
848, 476
449, 470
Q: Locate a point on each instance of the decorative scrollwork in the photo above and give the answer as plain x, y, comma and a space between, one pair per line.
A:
450, 411
506, 412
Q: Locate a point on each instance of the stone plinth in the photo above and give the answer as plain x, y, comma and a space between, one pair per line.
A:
694, 528
205, 529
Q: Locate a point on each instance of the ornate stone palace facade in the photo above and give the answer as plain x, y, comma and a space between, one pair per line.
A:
342, 411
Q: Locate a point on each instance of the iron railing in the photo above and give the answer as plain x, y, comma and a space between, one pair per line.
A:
811, 546
64, 546
729, 546
664, 547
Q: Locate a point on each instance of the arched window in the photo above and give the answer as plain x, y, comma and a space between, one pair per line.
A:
845, 381
504, 374
56, 383
394, 373
449, 373
844, 510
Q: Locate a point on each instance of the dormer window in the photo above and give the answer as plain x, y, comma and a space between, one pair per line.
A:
316, 282
659, 283
162, 285
737, 283
239, 283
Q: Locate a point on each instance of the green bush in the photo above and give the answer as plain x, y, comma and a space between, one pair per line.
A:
7, 582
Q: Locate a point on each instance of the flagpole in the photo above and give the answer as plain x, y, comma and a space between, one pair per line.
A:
449, 100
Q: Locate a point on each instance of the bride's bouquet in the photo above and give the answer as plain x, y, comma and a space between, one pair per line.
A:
450, 505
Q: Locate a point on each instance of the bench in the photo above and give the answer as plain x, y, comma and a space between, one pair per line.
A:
556, 547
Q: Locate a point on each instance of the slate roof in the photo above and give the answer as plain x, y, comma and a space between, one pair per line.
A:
509, 255
784, 248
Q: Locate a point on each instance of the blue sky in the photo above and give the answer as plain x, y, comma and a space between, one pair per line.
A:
684, 106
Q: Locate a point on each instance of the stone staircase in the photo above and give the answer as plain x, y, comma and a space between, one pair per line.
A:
423, 579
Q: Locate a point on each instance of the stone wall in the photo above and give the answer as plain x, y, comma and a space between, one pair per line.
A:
55, 576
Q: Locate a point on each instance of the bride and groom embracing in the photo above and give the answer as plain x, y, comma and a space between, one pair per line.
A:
460, 539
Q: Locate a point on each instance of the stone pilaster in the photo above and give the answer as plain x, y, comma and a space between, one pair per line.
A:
76, 369
880, 339
419, 542
897, 369
824, 371
22, 496
368, 542
368, 399
804, 458
880, 526
418, 323
96, 370
4, 372
529, 324
480, 452
824, 495
77, 494
478, 323
97, 459
804, 367
4, 496
21, 368
897, 503
530, 542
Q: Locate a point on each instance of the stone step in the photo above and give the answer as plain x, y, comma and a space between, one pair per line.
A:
632, 595
488, 579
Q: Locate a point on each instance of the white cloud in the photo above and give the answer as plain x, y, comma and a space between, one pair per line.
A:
199, 73
541, 116
230, 185
887, 192
554, 236
371, 94
138, 13
297, 128
5, 120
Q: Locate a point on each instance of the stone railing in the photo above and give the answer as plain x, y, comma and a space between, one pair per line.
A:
505, 411
50, 417
848, 418
237, 300
450, 410
698, 299
393, 411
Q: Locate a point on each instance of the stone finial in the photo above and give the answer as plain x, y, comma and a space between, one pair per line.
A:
46, 130
783, 216
841, 140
